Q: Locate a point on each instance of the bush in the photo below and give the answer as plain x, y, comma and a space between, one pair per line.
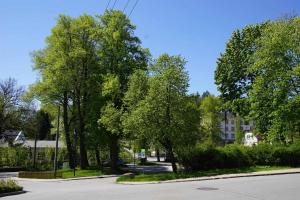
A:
9, 185
238, 156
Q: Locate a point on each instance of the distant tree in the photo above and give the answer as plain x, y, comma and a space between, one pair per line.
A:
10, 105
211, 119
238, 131
43, 125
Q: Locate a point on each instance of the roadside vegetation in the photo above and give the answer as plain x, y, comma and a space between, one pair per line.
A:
185, 175
9, 185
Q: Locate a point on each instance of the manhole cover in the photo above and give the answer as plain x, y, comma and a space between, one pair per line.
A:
207, 188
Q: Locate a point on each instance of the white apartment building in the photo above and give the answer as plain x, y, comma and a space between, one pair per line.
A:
227, 130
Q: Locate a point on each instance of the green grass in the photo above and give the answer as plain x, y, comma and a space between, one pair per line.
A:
182, 175
9, 185
69, 173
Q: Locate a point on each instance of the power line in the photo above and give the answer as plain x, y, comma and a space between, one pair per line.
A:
114, 4
107, 4
126, 5
136, 2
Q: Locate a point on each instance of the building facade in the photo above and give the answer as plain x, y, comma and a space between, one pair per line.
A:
228, 127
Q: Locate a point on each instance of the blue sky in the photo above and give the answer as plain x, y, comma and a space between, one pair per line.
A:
196, 29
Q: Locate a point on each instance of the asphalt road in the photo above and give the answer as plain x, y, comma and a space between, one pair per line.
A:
279, 187
4, 175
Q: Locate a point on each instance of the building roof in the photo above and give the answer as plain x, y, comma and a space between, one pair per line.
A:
43, 144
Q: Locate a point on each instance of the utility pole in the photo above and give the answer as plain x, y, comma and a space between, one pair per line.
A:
56, 145
225, 126
34, 152
75, 152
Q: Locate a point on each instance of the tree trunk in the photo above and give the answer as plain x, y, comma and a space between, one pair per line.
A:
114, 152
172, 160
83, 153
157, 155
67, 131
98, 160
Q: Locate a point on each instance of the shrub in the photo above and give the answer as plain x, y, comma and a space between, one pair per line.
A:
238, 156
9, 185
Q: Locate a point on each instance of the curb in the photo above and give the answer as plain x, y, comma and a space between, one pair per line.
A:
12, 193
67, 179
89, 177
225, 176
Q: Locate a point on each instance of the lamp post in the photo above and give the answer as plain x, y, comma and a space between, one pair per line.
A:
75, 152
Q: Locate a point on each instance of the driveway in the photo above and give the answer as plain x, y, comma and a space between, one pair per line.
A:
279, 187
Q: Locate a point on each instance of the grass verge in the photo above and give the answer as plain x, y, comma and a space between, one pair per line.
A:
69, 173
182, 175
7, 186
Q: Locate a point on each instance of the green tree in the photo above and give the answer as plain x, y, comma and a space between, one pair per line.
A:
121, 54
69, 71
43, 125
11, 105
233, 75
211, 119
275, 93
166, 115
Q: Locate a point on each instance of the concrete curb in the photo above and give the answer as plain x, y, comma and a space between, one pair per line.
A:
90, 177
225, 176
12, 193
67, 179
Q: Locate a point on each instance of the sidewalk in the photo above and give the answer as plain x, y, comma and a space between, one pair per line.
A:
225, 176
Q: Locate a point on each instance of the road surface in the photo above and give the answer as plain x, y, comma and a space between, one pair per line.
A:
4, 175
279, 187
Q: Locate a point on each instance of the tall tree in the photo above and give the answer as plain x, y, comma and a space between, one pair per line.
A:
69, 71
121, 53
233, 75
275, 93
166, 114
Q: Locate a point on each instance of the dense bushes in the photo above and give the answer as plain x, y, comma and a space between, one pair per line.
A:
23, 157
9, 185
237, 156
15, 157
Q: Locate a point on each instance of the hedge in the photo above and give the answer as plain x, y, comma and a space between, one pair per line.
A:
238, 156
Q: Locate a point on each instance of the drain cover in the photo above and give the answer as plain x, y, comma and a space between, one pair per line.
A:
207, 188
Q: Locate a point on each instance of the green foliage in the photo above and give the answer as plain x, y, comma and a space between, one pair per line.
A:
9, 185
238, 131
15, 157
185, 175
236, 156
208, 157
275, 92
23, 157
164, 115
232, 76
211, 119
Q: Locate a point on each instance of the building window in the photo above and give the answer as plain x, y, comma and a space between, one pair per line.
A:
232, 122
232, 136
232, 128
